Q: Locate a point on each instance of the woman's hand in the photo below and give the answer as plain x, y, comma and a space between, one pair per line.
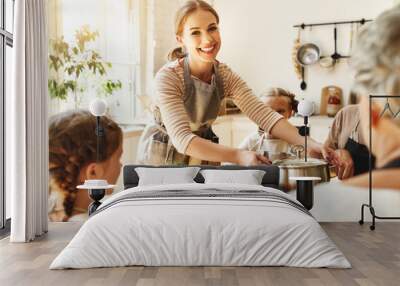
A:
341, 159
328, 154
315, 149
250, 158
344, 164
209, 151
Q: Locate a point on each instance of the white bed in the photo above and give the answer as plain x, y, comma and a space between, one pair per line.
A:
250, 226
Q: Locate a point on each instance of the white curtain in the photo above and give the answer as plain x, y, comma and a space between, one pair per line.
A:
27, 123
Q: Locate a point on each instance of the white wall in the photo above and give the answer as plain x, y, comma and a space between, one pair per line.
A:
164, 38
257, 40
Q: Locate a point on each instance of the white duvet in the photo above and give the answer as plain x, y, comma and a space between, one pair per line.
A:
190, 231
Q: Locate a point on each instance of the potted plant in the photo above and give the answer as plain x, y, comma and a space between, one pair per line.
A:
73, 66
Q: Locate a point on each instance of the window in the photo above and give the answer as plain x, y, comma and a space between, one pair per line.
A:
117, 41
6, 44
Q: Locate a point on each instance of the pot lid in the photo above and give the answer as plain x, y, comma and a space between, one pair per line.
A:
299, 163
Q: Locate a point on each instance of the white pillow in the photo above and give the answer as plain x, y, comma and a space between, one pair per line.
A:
248, 177
166, 176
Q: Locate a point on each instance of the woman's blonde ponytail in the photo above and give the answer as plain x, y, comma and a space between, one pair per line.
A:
176, 54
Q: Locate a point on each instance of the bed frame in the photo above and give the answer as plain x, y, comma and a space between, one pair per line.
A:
270, 179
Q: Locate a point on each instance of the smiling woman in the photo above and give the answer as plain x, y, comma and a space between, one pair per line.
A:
189, 92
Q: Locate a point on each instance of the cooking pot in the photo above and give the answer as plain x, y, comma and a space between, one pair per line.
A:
300, 168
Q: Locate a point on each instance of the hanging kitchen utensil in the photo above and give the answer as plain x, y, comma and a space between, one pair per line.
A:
336, 56
326, 62
351, 39
350, 52
296, 64
303, 84
308, 54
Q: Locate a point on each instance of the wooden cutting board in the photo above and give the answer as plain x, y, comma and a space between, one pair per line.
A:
325, 98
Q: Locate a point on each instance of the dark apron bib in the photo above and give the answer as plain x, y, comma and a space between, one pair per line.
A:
360, 155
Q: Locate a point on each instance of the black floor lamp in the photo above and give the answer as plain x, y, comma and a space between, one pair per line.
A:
97, 188
305, 184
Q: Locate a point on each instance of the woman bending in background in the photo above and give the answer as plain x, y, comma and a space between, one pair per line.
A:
376, 61
72, 160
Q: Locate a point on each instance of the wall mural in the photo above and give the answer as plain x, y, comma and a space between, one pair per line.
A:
198, 111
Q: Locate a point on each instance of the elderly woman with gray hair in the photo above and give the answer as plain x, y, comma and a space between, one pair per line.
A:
376, 63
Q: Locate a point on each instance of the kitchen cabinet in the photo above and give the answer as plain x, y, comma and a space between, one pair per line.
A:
232, 129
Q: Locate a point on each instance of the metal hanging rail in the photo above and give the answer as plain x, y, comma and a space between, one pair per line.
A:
369, 204
303, 25
336, 55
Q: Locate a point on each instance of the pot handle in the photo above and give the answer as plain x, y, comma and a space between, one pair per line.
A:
332, 171
297, 150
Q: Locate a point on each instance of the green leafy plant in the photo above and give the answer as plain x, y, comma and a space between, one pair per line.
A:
71, 67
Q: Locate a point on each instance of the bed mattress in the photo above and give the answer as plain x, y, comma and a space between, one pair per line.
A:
201, 225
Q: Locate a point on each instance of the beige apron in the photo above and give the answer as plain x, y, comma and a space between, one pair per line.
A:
202, 102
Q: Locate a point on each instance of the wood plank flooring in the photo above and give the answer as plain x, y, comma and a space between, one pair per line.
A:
374, 255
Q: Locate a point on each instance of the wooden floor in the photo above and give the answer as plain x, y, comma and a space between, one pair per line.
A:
374, 255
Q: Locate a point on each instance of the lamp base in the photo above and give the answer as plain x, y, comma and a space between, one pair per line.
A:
305, 190
305, 193
96, 195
